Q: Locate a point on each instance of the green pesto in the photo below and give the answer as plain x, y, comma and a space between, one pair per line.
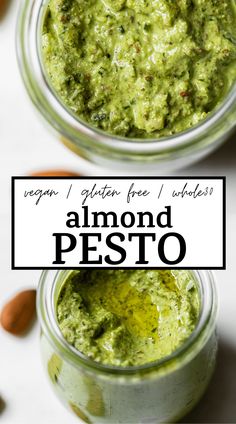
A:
128, 317
140, 68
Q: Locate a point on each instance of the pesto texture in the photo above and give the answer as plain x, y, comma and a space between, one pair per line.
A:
140, 68
128, 318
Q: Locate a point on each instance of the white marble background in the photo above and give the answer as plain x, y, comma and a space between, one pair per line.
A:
25, 145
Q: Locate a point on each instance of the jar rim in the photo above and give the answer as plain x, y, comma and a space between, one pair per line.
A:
71, 126
49, 325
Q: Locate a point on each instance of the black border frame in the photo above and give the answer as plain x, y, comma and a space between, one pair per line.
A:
13, 178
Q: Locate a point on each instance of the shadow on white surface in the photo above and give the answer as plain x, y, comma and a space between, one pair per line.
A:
223, 160
219, 402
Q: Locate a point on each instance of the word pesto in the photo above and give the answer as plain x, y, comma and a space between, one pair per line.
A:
66, 242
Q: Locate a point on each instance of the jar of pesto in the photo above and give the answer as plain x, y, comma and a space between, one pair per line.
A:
135, 88
162, 391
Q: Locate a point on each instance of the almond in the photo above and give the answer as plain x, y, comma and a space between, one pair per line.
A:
18, 314
54, 173
3, 7
2, 404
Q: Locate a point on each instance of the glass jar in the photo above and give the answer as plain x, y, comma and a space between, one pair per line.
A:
158, 392
120, 154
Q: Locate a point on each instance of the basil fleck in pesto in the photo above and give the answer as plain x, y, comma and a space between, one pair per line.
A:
128, 317
140, 68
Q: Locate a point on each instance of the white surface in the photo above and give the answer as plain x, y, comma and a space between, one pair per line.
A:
26, 145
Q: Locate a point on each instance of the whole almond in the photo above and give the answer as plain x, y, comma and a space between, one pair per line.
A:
18, 314
3, 7
54, 173
2, 404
